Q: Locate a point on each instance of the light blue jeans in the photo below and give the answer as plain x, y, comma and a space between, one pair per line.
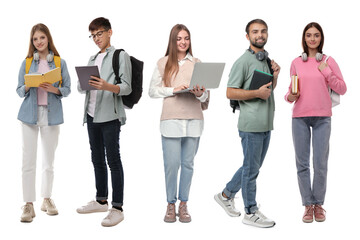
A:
321, 129
179, 152
255, 146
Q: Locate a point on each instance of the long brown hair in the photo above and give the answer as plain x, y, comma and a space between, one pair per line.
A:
318, 27
42, 28
172, 65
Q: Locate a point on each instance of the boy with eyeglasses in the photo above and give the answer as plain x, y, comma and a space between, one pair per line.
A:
104, 114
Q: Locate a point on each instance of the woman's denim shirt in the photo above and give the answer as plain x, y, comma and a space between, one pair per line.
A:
28, 111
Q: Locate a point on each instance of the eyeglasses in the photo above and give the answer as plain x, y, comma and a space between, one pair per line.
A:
98, 34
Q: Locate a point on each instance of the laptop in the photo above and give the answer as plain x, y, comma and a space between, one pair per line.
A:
205, 74
84, 73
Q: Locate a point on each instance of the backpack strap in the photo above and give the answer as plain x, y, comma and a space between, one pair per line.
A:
28, 64
268, 60
57, 61
116, 65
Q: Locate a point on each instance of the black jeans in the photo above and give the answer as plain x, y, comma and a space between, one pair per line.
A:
104, 141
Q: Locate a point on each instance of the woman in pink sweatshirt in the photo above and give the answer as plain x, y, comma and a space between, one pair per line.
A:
312, 110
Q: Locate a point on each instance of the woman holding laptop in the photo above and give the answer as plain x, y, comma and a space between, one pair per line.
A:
41, 111
311, 117
182, 121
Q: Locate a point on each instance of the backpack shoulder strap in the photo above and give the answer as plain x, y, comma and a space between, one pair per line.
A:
57, 61
116, 64
28, 64
268, 60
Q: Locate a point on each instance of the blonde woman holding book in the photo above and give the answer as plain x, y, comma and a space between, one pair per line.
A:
182, 121
41, 111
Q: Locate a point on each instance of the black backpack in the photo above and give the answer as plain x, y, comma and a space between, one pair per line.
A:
234, 104
136, 78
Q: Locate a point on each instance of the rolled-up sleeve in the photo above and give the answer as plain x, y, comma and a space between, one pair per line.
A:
125, 74
65, 88
21, 81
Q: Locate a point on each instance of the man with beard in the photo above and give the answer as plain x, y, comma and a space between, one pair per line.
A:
254, 125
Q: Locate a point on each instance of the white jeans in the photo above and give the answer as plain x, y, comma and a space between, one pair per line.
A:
49, 139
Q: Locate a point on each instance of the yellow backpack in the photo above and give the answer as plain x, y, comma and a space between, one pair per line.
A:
57, 61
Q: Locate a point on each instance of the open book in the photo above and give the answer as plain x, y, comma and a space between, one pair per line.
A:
35, 79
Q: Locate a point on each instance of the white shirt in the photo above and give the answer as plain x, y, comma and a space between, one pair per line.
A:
175, 127
92, 100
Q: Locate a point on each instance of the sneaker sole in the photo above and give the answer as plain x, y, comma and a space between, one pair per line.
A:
320, 219
169, 221
184, 221
308, 221
254, 224
94, 211
221, 204
111, 225
49, 213
26, 220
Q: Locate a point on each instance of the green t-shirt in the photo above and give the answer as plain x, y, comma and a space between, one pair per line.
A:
256, 115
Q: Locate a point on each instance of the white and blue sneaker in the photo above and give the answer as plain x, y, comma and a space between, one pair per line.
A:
258, 219
228, 205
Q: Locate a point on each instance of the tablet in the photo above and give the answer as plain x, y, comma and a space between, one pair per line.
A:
84, 73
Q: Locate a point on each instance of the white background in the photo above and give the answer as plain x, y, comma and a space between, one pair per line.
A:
218, 34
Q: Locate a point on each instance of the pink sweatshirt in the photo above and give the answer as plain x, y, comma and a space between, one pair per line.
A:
314, 100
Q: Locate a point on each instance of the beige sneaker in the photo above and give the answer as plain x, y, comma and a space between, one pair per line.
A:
170, 215
184, 215
28, 213
114, 217
93, 207
49, 207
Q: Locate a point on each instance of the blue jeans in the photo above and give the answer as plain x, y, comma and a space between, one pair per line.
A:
179, 152
321, 129
255, 146
104, 141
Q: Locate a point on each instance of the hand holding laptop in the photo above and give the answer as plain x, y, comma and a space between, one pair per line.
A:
198, 91
180, 88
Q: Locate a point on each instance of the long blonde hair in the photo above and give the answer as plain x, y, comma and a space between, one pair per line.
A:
42, 28
172, 65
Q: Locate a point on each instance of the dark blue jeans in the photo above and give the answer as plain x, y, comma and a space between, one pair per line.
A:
104, 142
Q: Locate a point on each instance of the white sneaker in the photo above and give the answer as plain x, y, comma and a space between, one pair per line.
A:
114, 217
258, 219
228, 205
49, 207
28, 213
93, 207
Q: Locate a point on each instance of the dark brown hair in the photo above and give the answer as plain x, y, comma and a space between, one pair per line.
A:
97, 23
42, 28
172, 65
260, 21
318, 27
